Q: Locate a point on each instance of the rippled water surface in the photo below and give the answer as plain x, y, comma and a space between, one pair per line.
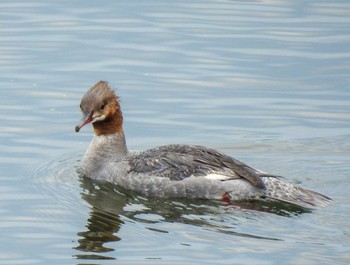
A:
264, 81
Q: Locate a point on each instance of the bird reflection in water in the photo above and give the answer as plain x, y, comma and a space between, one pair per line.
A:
104, 221
108, 204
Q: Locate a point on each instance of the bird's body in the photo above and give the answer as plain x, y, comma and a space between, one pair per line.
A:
174, 170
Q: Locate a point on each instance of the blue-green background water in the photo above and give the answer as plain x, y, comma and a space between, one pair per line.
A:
264, 81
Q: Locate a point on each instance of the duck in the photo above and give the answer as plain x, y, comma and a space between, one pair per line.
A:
174, 170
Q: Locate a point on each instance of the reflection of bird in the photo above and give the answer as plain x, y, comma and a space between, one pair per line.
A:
104, 221
174, 170
111, 204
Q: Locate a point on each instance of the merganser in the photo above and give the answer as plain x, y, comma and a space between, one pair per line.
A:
188, 171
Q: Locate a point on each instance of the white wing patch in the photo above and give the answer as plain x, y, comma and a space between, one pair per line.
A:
217, 177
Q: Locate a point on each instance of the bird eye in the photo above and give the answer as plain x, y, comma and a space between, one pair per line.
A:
102, 106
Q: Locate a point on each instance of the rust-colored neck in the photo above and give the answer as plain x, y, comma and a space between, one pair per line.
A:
113, 123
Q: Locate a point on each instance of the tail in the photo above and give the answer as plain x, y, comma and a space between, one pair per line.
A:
282, 191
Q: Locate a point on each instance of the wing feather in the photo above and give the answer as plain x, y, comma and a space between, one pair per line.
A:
178, 162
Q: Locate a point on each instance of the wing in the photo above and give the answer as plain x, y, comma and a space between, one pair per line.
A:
178, 162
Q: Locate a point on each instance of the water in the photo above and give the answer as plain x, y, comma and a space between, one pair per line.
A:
264, 81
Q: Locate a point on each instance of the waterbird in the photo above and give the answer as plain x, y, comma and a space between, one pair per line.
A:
175, 170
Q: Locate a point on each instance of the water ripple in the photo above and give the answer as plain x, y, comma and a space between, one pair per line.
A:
266, 81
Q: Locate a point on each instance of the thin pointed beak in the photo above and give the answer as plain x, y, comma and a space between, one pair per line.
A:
86, 120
